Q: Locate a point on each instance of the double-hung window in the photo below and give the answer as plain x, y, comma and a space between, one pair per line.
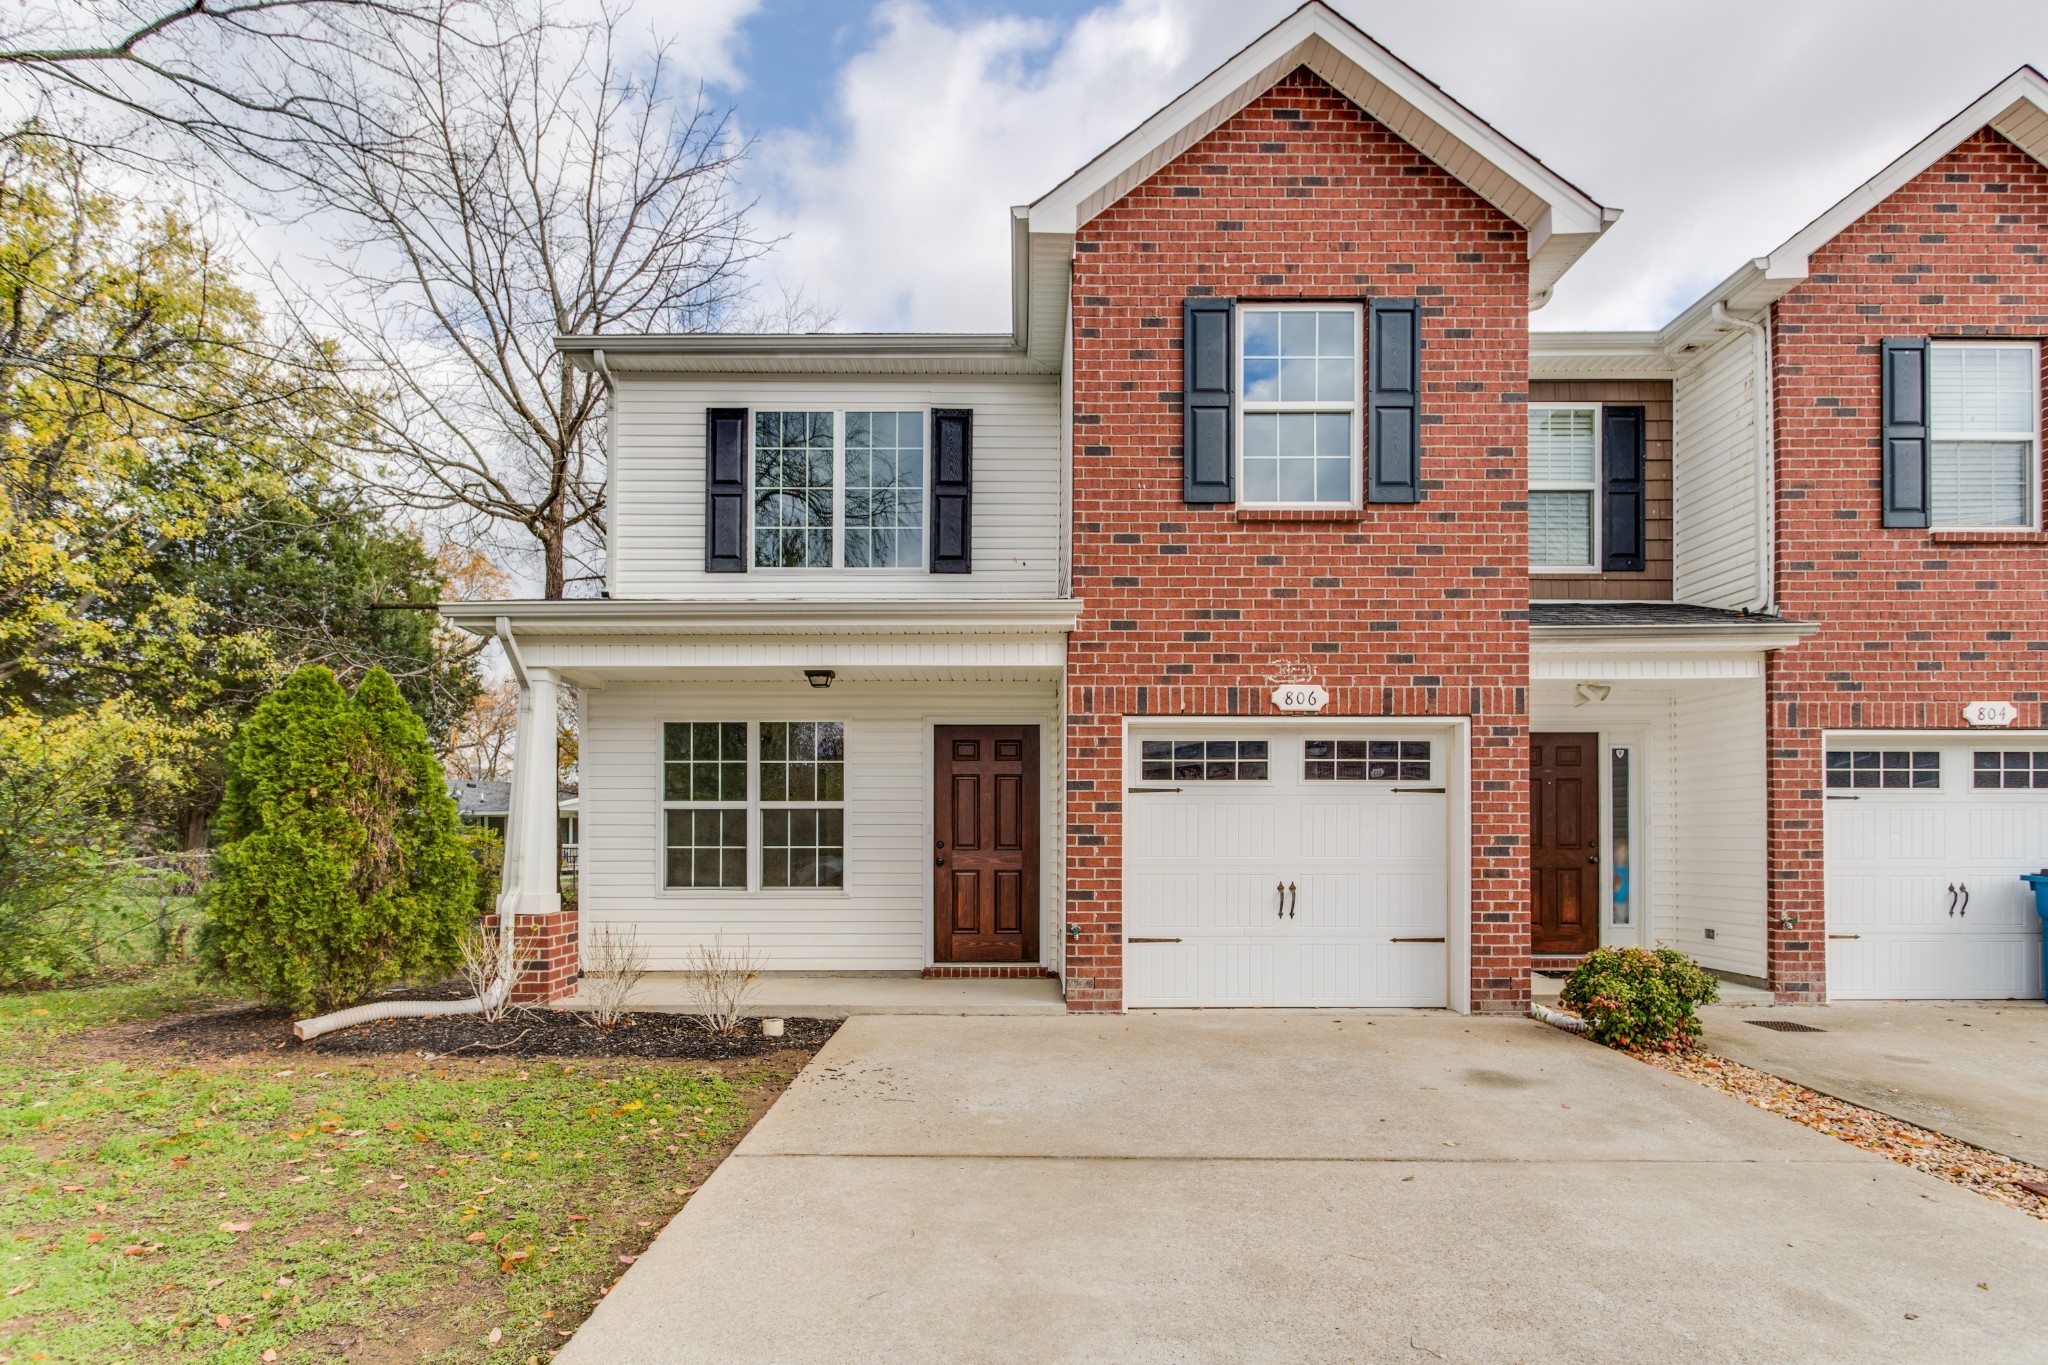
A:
1298, 405
1984, 434
757, 805
839, 489
1564, 486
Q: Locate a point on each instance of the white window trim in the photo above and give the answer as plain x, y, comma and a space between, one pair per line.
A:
1593, 488
1241, 405
2031, 438
920, 569
753, 806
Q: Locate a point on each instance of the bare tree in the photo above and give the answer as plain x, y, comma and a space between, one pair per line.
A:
540, 184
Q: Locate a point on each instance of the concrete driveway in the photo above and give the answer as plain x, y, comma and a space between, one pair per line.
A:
1975, 1070
1301, 1187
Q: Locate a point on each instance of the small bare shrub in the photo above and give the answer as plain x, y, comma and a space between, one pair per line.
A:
613, 963
483, 966
722, 979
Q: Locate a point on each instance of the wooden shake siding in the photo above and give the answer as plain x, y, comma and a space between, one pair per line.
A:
1653, 584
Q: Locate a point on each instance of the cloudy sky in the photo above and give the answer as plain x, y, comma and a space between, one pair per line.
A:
893, 134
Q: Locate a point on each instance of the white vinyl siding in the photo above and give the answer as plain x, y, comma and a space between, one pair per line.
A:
1715, 497
1564, 486
1984, 414
879, 919
656, 544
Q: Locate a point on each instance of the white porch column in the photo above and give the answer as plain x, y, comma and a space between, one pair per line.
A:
533, 796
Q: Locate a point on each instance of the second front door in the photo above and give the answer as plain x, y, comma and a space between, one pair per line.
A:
1564, 843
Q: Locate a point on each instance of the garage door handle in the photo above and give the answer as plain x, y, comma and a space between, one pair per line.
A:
1143, 790
1293, 899
1420, 791
1437, 939
1845, 936
1951, 900
1280, 905
1151, 940
1966, 900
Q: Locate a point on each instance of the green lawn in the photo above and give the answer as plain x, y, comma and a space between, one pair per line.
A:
322, 1207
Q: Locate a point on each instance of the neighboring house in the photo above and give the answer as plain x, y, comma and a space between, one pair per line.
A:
1271, 618
490, 804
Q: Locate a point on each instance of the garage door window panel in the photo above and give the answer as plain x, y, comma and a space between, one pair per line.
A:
1984, 451
1884, 769
2009, 769
1366, 760
1204, 760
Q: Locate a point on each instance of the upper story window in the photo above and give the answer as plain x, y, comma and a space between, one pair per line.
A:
1298, 405
838, 490
1984, 430
1564, 486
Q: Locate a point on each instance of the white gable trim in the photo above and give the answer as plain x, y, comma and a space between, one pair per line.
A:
2016, 108
1561, 220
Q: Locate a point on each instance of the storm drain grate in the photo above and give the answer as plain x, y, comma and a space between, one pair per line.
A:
1784, 1026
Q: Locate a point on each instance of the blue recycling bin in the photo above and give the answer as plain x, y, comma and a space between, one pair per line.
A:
2039, 881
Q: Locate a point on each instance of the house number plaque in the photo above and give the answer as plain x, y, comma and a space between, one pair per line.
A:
1300, 697
1990, 714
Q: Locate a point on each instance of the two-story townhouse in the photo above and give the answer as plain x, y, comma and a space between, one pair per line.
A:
1270, 618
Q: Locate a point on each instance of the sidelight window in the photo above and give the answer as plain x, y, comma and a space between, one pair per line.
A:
730, 788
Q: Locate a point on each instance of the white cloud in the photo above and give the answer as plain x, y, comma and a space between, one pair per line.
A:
1720, 129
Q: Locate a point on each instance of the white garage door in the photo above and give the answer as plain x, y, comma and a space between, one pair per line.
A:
1269, 866
1926, 841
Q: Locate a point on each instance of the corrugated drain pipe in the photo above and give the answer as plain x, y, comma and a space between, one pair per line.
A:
508, 897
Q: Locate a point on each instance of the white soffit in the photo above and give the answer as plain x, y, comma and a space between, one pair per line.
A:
1562, 222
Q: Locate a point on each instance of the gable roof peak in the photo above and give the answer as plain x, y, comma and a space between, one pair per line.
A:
1561, 220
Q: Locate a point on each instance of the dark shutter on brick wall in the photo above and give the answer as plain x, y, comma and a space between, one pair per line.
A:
1393, 433
1905, 431
725, 490
1621, 490
1207, 463
952, 490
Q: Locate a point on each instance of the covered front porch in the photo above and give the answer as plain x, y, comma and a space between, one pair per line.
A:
848, 798
1648, 792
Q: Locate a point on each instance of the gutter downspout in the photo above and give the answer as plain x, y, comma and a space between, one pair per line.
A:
611, 428
508, 897
1765, 603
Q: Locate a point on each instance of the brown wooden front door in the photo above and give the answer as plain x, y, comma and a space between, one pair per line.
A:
1564, 843
985, 844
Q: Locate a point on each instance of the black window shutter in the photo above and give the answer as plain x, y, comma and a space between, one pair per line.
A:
725, 490
1905, 431
952, 490
1207, 466
1393, 433
1621, 490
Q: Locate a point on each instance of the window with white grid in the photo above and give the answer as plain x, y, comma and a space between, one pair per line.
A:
1298, 405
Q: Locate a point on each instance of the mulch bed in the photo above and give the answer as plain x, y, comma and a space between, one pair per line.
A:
1991, 1174
528, 1033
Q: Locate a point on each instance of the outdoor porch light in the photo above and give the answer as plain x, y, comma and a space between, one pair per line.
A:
819, 677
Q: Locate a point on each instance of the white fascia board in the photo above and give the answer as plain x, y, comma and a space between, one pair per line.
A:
1561, 218
1647, 640
1597, 355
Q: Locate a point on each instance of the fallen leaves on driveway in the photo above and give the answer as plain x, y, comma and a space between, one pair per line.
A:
1990, 1174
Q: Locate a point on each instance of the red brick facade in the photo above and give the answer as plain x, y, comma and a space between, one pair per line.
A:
1403, 610
545, 949
1914, 623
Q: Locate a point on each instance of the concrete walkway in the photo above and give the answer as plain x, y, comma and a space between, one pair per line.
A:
1303, 1187
1975, 1070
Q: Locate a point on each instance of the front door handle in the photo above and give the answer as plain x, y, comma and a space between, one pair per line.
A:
1292, 897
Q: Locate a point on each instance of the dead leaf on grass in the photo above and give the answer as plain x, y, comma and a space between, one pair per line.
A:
236, 1227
